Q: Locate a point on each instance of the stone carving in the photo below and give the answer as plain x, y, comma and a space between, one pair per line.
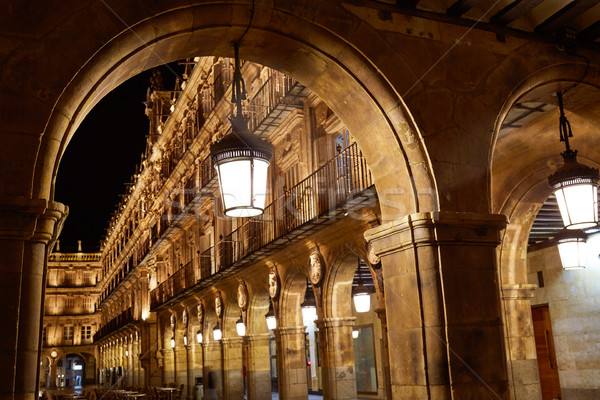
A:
184, 318
371, 256
173, 321
219, 305
274, 284
200, 314
242, 295
315, 268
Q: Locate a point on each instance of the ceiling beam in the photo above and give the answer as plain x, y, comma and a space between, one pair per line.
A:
590, 33
461, 6
513, 11
562, 17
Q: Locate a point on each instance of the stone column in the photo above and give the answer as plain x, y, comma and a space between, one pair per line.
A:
385, 353
27, 228
211, 355
233, 380
443, 310
520, 342
291, 363
189, 356
52, 383
258, 367
337, 358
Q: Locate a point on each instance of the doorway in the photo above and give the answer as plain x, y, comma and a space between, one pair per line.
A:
546, 355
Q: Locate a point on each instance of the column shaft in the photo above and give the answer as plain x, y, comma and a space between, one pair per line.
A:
442, 303
233, 380
258, 367
291, 363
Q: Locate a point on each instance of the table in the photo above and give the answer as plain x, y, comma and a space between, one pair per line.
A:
168, 389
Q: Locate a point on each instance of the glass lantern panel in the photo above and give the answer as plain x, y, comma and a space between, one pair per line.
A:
572, 253
260, 183
578, 206
234, 177
362, 302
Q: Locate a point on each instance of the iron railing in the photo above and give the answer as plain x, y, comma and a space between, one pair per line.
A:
331, 186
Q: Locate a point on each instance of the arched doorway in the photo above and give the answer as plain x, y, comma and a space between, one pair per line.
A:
71, 371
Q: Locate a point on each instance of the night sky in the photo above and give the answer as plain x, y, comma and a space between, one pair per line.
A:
101, 157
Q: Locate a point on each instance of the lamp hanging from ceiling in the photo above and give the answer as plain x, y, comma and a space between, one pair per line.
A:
241, 158
217, 332
361, 294
572, 248
575, 185
309, 305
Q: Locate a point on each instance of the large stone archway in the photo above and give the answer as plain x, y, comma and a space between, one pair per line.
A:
519, 189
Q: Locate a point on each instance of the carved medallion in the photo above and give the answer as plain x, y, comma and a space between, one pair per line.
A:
184, 318
274, 284
316, 268
219, 305
242, 295
173, 321
200, 314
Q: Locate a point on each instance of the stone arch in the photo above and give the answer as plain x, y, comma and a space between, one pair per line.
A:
315, 54
519, 191
293, 288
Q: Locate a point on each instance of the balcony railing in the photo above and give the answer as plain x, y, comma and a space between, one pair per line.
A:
126, 317
330, 187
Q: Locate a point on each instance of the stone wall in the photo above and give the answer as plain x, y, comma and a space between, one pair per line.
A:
573, 298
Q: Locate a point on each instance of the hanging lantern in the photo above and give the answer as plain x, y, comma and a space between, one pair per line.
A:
575, 185
217, 333
355, 333
199, 337
241, 160
361, 295
309, 306
172, 343
240, 327
571, 247
271, 320
185, 340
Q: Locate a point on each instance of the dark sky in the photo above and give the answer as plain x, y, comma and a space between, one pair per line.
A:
101, 157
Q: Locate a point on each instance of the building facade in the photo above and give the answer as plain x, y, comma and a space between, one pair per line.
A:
451, 105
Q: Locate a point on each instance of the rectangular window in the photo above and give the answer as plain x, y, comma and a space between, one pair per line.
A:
68, 333
86, 332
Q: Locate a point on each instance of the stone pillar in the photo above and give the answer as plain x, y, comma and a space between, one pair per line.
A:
211, 355
258, 367
291, 363
52, 383
442, 303
189, 357
27, 228
233, 380
337, 358
385, 353
520, 342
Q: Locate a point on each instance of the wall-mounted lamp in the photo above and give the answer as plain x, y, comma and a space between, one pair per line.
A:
240, 327
271, 320
172, 342
199, 337
217, 333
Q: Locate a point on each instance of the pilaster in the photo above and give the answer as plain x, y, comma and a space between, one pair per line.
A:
233, 379
291, 363
258, 367
211, 355
520, 341
28, 228
442, 305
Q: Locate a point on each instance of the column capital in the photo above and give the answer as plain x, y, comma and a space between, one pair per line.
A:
437, 227
232, 341
518, 292
23, 218
289, 330
335, 322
